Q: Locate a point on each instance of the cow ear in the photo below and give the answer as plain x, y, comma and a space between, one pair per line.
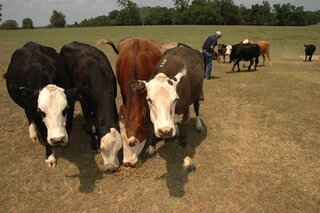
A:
76, 94
28, 93
180, 75
137, 86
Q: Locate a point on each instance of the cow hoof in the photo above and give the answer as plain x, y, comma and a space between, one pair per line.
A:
199, 126
188, 164
51, 161
151, 152
191, 168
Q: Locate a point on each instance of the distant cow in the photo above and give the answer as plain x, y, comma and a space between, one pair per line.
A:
264, 49
175, 85
309, 50
246, 52
89, 67
222, 48
38, 82
136, 60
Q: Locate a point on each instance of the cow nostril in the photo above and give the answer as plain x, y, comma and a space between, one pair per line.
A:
166, 131
57, 140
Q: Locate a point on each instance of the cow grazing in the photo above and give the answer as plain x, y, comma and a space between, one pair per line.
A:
38, 82
246, 52
89, 67
309, 50
264, 49
222, 48
175, 84
136, 60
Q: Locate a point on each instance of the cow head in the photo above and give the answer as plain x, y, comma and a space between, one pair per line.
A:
110, 145
228, 49
161, 98
52, 106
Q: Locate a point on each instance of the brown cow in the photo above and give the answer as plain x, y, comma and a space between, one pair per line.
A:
264, 49
136, 60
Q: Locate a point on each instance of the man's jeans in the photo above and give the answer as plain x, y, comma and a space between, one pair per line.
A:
208, 61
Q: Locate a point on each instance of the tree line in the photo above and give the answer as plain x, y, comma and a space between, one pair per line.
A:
187, 12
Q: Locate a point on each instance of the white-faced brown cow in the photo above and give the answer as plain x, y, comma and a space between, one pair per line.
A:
136, 60
38, 82
89, 67
175, 85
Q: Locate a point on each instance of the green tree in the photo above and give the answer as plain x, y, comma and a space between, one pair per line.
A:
58, 19
9, 25
130, 14
0, 12
261, 14
27, 23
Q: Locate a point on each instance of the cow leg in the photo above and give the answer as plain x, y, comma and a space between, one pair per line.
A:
89, 117
310, 56
50, 159
224, 59
268, 55
256, 63
305, 59
196, 106
264, 58
70, 118
32, 128
251, 62
187, 161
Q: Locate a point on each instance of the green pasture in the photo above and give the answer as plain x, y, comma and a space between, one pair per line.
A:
259, 151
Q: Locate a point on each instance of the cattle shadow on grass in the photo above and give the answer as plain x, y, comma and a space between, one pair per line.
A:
176, 176
80, 154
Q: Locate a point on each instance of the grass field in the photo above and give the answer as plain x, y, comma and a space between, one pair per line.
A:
260, 151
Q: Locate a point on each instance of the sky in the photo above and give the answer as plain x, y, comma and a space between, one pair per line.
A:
40, 11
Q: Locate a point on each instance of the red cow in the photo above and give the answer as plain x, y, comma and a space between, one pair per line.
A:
264, 49
137, 59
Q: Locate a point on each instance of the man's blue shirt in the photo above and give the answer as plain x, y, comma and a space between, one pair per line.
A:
211, 41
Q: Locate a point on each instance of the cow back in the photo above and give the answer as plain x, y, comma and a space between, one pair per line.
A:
35, 66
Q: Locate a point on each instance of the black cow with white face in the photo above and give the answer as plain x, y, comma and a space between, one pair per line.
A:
246, 52
309, 50
89, 67
38, 82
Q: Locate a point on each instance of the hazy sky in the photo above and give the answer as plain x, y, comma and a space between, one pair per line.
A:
40, 11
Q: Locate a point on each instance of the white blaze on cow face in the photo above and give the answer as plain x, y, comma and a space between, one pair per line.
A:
162, 98
110, 145
52, 105
228, 49
130, 153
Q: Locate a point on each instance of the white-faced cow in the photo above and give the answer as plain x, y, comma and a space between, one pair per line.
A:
38, 82
246, 52
175, 84
89, 67
137, 59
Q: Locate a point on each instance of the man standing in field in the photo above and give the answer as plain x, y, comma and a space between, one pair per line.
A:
208, 49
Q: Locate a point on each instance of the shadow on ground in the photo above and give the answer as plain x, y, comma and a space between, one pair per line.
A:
176, 176
80, 154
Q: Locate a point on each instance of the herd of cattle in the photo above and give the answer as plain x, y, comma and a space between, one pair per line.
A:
158, 81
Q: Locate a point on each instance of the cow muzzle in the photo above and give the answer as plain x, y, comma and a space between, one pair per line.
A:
58, 140
165, 132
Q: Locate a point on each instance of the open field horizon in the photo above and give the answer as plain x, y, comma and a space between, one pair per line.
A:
259, 152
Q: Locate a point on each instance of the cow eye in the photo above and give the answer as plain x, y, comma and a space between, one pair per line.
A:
42, 113
64, 112
149, 101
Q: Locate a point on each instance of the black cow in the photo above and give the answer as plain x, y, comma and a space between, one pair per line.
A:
89, 67
38, 82
176, 84
246, 52
309, 50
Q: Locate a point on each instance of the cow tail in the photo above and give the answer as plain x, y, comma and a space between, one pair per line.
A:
106, 41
